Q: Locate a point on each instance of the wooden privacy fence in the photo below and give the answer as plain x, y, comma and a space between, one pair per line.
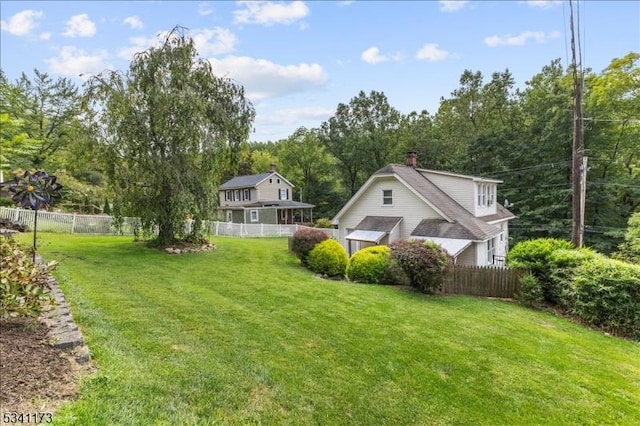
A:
485, 281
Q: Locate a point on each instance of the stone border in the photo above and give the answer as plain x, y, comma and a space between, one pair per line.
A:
63, 332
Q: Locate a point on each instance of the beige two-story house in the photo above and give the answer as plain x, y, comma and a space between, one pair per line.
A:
459, 212
262, 198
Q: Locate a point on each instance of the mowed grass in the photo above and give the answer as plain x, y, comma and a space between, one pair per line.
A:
244, 335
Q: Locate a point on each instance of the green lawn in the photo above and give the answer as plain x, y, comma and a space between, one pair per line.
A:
244, 335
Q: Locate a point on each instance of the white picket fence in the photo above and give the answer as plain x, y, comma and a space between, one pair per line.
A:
103, 224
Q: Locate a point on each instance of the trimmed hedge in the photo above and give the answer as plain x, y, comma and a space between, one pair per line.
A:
606, 293
370, 265
424, 262
328, 257
534, 255
304, 240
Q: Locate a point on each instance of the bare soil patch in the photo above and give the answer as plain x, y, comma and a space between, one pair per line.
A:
34, 376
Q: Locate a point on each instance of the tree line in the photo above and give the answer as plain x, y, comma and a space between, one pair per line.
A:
163, 135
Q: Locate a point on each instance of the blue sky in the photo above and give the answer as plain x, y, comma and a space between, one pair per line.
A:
298, 60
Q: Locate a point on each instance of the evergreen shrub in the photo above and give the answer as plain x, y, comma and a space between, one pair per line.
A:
328, 257
370, 265
534, 255
606, 293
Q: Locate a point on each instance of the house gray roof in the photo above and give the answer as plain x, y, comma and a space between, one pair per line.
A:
475, 228
501, 214
245, 181
442, 229
378, 223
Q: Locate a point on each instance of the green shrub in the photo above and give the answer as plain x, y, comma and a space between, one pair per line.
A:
606, 293
304, 240
328, 257
370, 265
424, 262
534, 255
23, 285
324, 222
629, 250
530, 290
562, 265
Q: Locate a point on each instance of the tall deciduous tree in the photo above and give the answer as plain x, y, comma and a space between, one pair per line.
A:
311, 169
168, 126
363, 136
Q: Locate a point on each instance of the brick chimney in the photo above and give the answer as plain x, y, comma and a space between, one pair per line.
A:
411, 159
273, 168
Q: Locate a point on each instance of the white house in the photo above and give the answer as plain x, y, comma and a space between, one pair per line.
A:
458, 212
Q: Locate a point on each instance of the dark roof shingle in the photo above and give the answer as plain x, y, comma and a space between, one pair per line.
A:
476, 228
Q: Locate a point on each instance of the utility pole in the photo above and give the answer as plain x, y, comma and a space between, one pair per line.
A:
578, 167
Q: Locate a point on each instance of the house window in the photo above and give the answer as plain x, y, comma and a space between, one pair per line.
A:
278, 180
254, 215
387, 197
270, 180
490, 195
284, 194
247, 194
227, 196
491, 251
229, 216
236, 195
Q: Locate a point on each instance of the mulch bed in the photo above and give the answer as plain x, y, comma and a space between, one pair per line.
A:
34, 376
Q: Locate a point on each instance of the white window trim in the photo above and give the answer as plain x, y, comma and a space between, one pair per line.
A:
257, 218
389, 197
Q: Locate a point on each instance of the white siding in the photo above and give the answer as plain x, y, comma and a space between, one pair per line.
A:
405, 204
480, 211
460, 189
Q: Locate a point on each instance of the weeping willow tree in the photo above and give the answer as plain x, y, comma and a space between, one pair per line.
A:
166, 129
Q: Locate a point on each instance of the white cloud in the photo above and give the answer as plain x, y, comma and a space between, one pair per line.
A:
269, 13
432, 53
346, 3
293, 116
134, 22
73, 62
44, 36
204, 9
520, 39
264, 79
452, 5
22, 23
544, 4
138, 44
372, 56
80, 26
215, 41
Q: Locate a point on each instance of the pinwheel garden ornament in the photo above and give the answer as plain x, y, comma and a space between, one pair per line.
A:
33, 191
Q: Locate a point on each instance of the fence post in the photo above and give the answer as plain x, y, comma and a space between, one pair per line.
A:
73, 224
16, 214
217, 224
262, 229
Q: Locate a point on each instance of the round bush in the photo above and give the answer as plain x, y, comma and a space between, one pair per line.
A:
370, 265
562, 265
304, 240
424, 262
328, 257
